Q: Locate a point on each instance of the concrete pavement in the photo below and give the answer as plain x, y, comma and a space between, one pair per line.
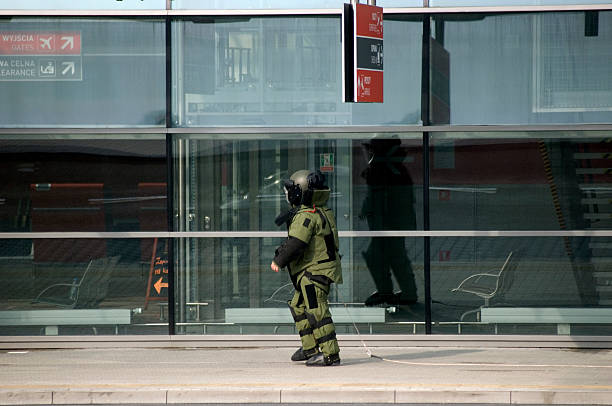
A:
266, 375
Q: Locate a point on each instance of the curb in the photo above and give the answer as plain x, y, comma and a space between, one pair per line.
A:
291, 341
297, 396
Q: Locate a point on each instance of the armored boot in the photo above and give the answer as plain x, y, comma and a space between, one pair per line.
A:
303, 355
321, 360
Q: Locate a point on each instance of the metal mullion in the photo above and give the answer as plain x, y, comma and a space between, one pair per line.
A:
255, 12
81, 130
275, 234
169, 180
392, 129
497, 9
425, 118
83, 13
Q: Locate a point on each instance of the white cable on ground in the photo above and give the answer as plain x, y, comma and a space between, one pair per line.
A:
359, 334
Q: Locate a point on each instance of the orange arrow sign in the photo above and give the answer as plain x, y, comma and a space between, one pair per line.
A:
159, 285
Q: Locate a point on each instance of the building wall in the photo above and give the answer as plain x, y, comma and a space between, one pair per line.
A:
128, 131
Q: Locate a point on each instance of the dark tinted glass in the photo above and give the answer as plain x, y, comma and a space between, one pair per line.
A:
520, 181
521, 285
113, 184
105, 286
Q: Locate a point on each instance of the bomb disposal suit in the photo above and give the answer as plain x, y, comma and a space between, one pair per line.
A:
311, 256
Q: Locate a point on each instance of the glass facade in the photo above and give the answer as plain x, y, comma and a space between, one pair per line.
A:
549, 67
286, 71
234, 183
266, 4
538, 181
144, 160
487, 181
82, 73
542, 281
80, 183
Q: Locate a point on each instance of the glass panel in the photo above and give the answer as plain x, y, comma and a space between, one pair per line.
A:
548, 285
82, 183
88, 5
549, 67
234, 183
107, 287
286, 71
281, 4
520, 181
230, 289
82, 72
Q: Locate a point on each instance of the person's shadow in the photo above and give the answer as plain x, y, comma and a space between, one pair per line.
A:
388, 206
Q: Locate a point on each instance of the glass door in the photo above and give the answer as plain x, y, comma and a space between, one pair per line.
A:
234, 183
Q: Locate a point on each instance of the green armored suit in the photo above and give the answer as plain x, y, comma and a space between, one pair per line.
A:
311, 255
316, 227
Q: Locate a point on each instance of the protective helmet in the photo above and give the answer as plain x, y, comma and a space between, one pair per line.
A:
301, 184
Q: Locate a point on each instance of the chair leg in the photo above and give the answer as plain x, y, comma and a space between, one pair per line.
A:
477, 311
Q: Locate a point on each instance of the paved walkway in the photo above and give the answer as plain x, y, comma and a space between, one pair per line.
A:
266, 375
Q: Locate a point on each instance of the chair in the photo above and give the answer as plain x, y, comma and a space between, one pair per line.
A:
488, 285
87, 292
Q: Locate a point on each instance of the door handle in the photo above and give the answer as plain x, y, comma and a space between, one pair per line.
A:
206, 223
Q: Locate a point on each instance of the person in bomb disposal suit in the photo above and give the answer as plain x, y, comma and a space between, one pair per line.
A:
311, 256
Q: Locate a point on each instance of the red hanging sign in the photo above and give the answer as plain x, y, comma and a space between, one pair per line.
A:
363, 53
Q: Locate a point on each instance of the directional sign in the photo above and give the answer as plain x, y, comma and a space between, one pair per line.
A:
368, 53
40, 55
362, 53
160, 269
40, 42
157, 285
160, 284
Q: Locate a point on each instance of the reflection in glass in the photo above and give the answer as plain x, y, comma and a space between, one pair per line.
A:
520, 181
389, 205
108, 289
519, 285
264, 71
234, 183
212, 305
70, 184
93, 73
549, 67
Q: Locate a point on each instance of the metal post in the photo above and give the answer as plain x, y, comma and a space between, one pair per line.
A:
170, 179
425, 117
371, 2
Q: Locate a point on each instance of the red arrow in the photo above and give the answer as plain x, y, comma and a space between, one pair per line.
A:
159, 285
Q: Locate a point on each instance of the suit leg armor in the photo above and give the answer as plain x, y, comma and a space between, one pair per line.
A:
311, 301
298, 311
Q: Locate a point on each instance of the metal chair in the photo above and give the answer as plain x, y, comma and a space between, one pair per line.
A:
488, 285
86, 292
